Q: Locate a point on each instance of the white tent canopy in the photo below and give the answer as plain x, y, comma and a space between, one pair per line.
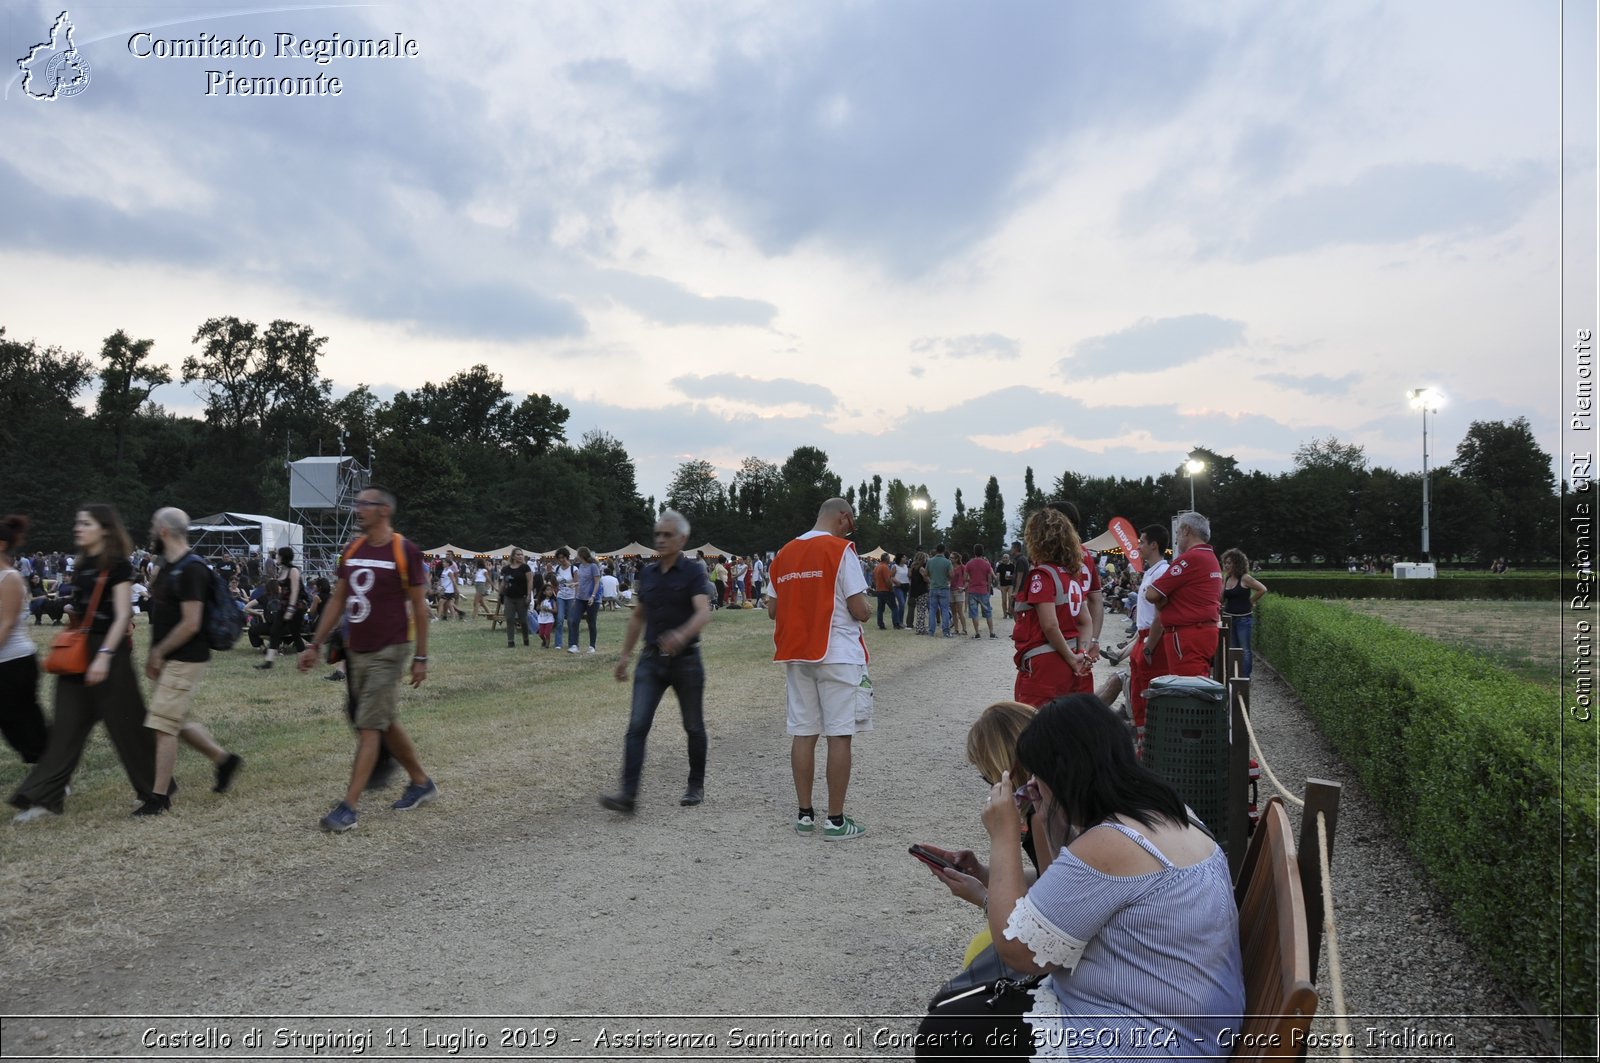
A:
250, 532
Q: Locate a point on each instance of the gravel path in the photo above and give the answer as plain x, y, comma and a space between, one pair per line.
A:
514, 911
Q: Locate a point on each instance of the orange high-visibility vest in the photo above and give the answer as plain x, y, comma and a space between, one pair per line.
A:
804, 575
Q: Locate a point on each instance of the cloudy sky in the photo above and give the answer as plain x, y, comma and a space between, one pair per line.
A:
941, 240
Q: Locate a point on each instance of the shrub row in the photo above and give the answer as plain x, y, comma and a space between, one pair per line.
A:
1498, 588
1491, 783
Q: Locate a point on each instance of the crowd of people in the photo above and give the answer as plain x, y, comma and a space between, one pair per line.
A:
1116, 904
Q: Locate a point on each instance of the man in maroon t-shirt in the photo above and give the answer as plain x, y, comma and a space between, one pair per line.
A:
381, 578
1188, 599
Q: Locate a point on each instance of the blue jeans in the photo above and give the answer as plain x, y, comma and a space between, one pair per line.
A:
686, 675
939, 604
892, 600
566, 610
1240, 637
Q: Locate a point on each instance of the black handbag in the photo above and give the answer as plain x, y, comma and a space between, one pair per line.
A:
985, 983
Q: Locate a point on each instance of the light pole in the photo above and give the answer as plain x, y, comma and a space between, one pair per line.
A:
919, 504
1427, 400
1194, 467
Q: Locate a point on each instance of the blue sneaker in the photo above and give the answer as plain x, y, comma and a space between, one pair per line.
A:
416, 794
341, 819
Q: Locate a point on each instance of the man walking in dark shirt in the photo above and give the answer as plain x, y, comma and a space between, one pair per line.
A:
515, 594
178, 656
674, 604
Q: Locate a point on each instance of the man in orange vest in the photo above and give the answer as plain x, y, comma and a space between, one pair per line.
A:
817, 593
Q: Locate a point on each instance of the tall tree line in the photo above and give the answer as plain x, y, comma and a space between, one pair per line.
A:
468, 461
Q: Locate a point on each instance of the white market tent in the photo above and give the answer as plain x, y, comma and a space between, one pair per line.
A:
631, 550
244, 532
505, 552
1103, 542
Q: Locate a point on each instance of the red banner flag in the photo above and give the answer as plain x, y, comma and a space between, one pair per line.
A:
1129, 541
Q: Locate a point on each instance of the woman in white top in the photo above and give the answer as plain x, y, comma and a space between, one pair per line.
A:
566, 596
21, 719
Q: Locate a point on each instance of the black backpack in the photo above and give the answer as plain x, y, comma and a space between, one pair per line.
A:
222, 618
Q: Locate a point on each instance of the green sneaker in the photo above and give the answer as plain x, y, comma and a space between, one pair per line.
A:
843, 832
804, 825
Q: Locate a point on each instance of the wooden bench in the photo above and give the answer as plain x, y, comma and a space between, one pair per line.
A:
1279, 999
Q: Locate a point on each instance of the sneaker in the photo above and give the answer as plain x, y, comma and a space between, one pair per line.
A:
154, 805
977, 636
993, 635
341, 819
416, 794
591, 649
225, 772
804, 825
263, 666
334, 677
693, 796
572, 649
28, 815
617, 802
844, 831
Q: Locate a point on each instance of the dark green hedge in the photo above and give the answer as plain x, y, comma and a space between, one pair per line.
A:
1499, 588
1474, 768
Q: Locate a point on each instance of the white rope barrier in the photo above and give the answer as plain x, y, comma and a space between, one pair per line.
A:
1261, 759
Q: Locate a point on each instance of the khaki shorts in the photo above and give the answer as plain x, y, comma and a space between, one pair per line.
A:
829, 699
173, 696
375, 678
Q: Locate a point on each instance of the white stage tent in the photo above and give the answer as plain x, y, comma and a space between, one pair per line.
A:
244, 533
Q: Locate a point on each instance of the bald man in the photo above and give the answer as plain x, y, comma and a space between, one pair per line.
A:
817, 594
178, 656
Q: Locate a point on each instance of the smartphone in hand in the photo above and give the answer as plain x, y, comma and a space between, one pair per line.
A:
932, 859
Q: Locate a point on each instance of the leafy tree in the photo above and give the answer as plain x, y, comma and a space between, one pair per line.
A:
992, 519
126, 382
1032, 500
695, 491
45, 477
1515, 473
807, 483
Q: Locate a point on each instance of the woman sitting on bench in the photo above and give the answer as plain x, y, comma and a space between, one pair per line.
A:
1132, 918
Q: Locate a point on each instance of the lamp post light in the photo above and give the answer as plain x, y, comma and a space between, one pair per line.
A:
919, 504
1428, 401
1194, 466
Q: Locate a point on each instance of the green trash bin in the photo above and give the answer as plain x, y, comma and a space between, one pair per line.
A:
1186, 743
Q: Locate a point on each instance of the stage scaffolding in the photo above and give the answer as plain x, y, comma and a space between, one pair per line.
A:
322, 495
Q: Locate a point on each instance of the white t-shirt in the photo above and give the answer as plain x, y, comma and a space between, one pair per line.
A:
447, 579
547, 611
844, 633
608, 586
481, 578
1145, 612
565, 587
902, 575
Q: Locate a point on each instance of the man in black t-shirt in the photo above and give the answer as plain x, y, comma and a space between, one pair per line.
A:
674, 604
178, 656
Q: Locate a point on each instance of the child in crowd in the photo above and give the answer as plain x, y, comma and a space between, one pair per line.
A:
547, 620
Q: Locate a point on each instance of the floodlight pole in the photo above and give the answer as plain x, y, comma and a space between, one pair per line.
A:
1426, 556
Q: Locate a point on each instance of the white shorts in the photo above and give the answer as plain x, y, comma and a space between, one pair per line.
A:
829, 699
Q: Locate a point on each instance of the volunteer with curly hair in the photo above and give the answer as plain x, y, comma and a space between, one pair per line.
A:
1049, 603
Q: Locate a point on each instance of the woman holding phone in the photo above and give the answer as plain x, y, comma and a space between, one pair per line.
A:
1131, 919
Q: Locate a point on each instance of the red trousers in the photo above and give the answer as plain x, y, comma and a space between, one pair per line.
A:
1046, 677
1140, 674
1190, 649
